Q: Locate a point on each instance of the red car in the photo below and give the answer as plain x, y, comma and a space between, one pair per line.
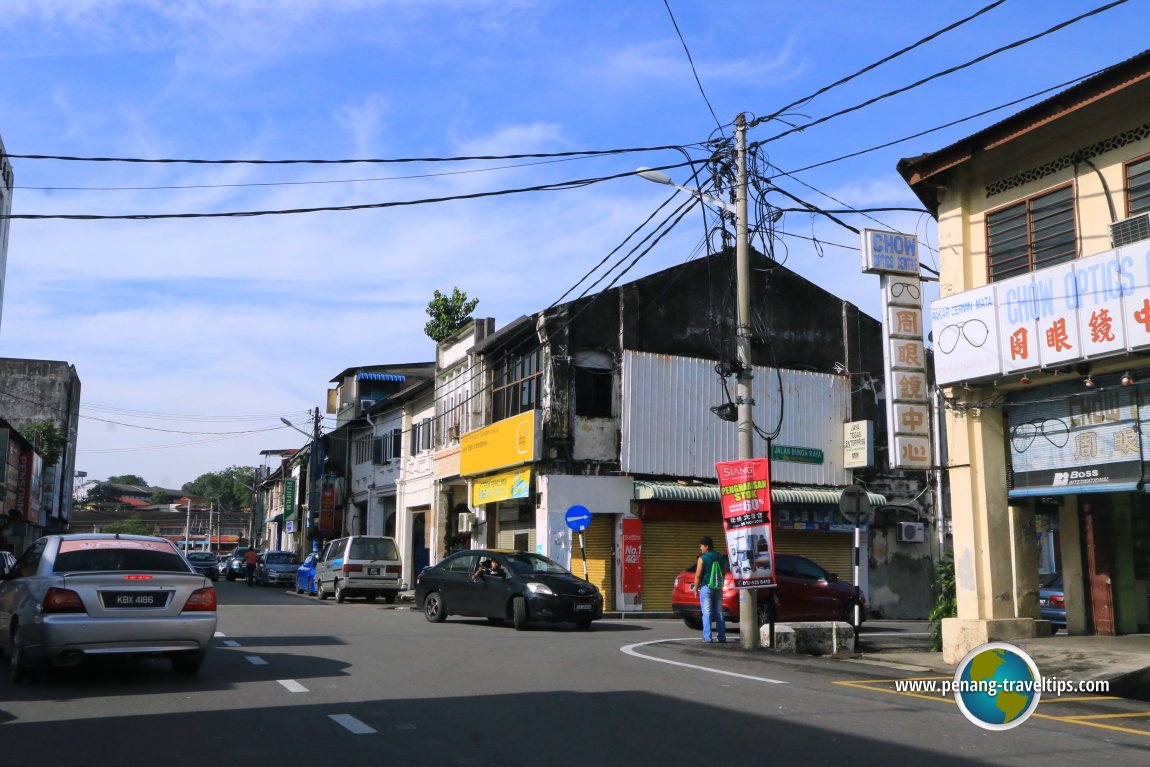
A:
805, 592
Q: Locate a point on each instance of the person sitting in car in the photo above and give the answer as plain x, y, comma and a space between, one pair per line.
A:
488, 567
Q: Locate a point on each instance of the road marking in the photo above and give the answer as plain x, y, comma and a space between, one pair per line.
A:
220, 634
256, 660
231, 643
631, 650
292, 685
350, 723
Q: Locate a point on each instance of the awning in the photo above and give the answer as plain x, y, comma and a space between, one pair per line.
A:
674, 491
274, 519
1113, 487
380, 377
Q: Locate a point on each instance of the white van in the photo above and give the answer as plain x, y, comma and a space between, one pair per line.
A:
360, 565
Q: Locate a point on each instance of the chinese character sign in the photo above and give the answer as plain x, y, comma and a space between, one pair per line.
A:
632, 558
745, 495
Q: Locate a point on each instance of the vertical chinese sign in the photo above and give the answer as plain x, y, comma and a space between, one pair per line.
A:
327, 508
895, 257
745, 495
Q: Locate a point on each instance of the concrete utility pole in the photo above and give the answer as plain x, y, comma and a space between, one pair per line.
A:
748, 601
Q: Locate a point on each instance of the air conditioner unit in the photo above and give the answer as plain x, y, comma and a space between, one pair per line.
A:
453, 431
911, 532
1130, 230
364, 404
466, 521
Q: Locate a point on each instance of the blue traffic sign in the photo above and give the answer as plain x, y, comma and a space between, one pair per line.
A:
578, 517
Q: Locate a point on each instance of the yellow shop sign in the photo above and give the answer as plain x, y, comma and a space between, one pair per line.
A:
501, 487
509, 442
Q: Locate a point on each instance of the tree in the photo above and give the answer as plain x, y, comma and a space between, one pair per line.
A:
45, 439
103, 493
228, 488
159, 498
448, 314
131, 526
128, 479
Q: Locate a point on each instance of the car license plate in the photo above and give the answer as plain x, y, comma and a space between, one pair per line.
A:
373, 571
1044, 601
581, 608
133, 599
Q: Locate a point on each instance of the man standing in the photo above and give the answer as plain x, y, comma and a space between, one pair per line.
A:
709, 578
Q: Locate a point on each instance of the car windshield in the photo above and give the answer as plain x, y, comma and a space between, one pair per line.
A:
280, 558
201, 556
525, 564
101, 555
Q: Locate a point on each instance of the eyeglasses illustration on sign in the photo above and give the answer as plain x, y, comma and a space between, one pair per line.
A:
897, 289
1055, 430
974, 331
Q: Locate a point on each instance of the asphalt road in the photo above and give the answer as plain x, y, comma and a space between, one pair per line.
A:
294, 681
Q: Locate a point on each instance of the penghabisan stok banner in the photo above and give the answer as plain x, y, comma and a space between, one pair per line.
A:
745, 495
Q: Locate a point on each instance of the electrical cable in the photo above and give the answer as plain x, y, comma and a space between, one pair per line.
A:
691, 61
949, 71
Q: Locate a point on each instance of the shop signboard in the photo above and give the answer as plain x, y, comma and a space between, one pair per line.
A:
327, 508
501, 487
745, 496
1078, 442
509, 442
289, 498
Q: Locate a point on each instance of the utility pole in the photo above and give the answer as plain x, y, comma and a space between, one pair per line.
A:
313, 492
188, 524
748, 601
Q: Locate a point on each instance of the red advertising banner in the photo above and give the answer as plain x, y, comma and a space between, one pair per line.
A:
327, 508
745, 496
632, 556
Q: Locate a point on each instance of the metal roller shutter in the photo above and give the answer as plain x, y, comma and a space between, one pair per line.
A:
508, 530
599, 539
833, 551
668, 547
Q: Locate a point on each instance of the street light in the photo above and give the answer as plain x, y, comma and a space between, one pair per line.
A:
748, 604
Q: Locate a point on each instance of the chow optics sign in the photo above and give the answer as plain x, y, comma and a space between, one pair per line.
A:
745, 495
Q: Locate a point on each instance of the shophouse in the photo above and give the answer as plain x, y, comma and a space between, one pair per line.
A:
1040, 341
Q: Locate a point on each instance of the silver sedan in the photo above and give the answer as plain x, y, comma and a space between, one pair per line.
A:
69, 597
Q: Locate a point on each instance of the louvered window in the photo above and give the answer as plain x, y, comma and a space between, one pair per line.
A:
1138, 186
1032, 234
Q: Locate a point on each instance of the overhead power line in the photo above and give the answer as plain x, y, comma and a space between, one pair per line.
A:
943, 73
558, 186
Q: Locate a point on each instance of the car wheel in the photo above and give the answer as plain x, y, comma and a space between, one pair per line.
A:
340, 592
433, 608
583, 625
764, 612
693, 623
519, 613
849, 613
319, 592
390, 597
298, 588
183, 665
17, 664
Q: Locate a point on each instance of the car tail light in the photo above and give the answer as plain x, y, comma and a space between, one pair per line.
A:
201, 600
137, 577
392, 569
353, 568
62, 601
678, 581
1058, 600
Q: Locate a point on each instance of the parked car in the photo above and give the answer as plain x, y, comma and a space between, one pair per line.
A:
359, 565
530, 587
277, 567
1052, 601
305, 575
7, 559
222, 563
205, 563
805, 592
71, 597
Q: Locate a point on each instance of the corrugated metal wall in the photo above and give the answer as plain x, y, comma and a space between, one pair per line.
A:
669, 429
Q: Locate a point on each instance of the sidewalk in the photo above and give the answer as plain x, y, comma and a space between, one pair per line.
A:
1124, 661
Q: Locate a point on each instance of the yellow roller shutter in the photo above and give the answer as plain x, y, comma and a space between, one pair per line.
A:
668, 547
833, 551
599, 540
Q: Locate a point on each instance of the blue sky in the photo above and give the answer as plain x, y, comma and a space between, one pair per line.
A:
205, 326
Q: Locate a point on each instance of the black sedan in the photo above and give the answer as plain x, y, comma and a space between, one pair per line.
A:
204, 563
506, 585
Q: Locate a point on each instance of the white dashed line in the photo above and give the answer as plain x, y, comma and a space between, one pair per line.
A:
631, 650
256, 660
231, 643
350, 723
292, 685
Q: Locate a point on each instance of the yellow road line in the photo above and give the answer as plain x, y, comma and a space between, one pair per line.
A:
1107, 716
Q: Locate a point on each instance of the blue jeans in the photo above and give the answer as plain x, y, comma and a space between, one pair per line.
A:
711, 601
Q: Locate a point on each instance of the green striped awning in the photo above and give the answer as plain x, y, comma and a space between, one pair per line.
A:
675, 491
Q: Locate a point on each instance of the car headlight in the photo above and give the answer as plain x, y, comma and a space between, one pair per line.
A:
540, 588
